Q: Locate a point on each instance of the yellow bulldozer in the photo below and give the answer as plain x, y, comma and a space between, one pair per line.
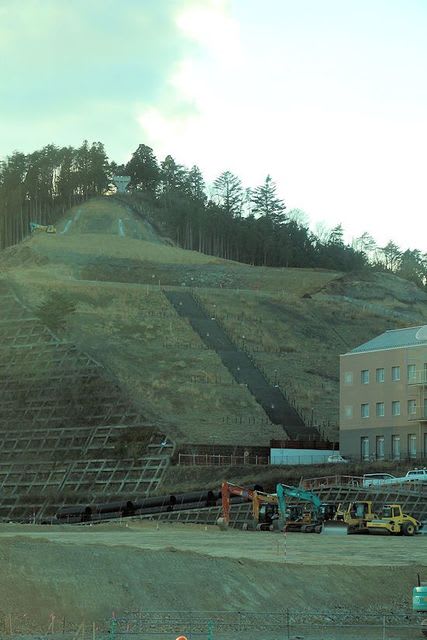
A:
355, 517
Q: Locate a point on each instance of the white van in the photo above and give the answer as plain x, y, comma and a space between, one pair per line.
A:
416, 474
378, 479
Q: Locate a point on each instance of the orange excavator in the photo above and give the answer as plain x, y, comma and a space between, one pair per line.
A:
257, 498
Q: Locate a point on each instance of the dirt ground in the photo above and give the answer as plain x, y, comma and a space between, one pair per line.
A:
84, 574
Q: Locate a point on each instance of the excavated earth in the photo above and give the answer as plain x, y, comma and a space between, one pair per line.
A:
83, 574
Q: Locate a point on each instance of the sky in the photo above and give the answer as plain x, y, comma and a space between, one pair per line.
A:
329, 98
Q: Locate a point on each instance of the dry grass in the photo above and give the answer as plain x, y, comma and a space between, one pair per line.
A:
178, 383
293, 330
191, 478
297, 342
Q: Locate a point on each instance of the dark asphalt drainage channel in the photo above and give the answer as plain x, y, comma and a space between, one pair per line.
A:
241, 367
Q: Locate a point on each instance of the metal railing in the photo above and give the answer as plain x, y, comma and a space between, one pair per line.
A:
288, 622
210, 460
331, 481
409, 486
420, 377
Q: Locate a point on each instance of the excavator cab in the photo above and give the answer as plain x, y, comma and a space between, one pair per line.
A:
267, 515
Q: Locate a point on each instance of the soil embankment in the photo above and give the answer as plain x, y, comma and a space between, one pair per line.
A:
86, 574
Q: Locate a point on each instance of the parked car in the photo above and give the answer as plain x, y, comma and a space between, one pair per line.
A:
378, 479
337, 458
415, 474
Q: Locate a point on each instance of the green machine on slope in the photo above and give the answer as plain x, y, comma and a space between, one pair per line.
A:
419, 603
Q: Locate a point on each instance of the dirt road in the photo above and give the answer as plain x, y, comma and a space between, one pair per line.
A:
87, 573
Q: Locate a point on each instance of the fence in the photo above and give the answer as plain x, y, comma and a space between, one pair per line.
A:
413, 486
285, 624
221, 625
191, 459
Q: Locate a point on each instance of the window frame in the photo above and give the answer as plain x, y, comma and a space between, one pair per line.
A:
348, 411
411, 367
413, 403
348, 377
377, 405
380, 379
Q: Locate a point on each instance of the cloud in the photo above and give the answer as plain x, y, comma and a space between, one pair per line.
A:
65, 66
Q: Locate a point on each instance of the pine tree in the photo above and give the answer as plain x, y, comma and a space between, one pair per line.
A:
266, 203
195, 185
172, 176
229, 193
143, 169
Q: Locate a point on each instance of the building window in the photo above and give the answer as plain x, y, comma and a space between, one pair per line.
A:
412, 407
380, 409
395, 408
412, 373
380, 447
348, 377
395, 447
364, 410
395, 374
412, 445
364, 448
348, 411
364, 376
379, 374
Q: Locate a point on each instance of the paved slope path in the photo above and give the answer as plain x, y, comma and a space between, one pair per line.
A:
241, 367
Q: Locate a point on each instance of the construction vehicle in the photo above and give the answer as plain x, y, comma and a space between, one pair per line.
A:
393, 521
262, 518
264, 506
227, 490
419, 602
270, 510
35, 227
306, 518
264, 510
352, 519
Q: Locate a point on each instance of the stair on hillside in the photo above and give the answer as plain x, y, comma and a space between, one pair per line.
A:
241, 367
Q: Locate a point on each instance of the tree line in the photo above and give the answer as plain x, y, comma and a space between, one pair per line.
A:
40, 186
225, 219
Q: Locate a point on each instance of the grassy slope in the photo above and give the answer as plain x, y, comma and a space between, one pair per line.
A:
130, 327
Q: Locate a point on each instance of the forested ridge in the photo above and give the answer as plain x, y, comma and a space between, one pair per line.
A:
250, 225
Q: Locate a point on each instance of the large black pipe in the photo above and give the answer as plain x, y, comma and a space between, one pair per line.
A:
128, 507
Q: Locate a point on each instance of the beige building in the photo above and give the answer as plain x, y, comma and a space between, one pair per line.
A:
383, 397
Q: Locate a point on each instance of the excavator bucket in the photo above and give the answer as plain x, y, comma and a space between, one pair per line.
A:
334, 528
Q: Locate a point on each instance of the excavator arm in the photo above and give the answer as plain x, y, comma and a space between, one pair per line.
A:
257, 497
228, 489
284, 491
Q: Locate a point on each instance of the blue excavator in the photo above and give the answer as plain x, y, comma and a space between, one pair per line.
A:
306, 516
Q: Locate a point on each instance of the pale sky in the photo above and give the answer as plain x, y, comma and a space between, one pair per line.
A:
329, 97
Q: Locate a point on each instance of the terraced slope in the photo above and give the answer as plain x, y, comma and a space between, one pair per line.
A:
293, 323
62, 420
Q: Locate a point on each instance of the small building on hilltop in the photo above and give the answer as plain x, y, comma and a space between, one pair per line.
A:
383, 397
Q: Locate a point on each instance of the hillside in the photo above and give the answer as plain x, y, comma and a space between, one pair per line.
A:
294, 323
